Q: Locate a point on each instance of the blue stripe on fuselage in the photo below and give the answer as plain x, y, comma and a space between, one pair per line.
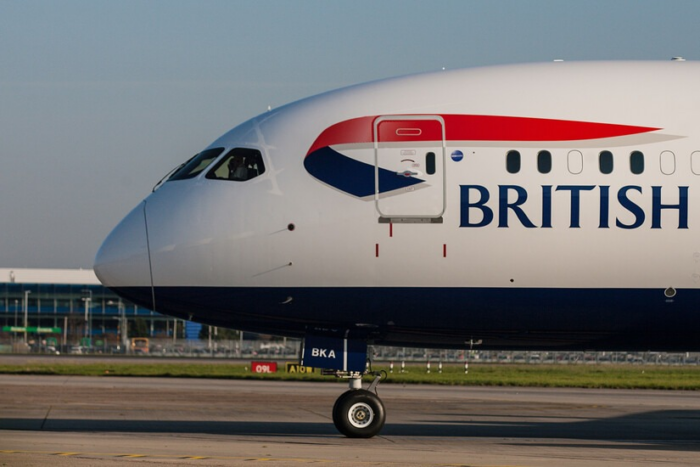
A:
352, 176
504, 318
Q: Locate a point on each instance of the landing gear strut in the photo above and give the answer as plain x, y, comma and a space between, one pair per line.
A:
359, 413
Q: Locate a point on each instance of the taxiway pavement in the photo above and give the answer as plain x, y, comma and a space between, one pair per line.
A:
81, 421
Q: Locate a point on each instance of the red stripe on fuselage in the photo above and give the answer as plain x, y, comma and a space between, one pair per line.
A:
484, 128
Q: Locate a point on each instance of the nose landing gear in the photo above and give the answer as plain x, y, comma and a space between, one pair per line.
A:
359, 413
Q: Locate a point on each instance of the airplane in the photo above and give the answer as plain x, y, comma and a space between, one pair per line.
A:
548, 206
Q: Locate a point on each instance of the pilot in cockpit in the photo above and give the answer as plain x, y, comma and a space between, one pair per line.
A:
237, 168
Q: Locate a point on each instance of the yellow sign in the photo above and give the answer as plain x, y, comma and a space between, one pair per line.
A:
297, 368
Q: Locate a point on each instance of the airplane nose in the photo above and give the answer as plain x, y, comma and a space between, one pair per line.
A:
122, 262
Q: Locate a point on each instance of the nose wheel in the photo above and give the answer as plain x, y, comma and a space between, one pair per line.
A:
359, 413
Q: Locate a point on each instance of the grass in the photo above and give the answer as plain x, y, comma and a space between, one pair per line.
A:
575, 376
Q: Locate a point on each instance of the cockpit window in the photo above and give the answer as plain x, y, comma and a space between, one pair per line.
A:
197, 164
239, 165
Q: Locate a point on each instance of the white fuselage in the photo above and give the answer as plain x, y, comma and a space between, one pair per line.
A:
469, 222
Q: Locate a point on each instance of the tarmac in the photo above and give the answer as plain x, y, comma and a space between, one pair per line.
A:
85, 421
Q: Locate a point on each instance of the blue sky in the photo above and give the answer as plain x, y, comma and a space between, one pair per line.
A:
99, 99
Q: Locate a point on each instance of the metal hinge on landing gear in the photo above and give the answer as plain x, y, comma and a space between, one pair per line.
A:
355, 378
375, 382
343, 374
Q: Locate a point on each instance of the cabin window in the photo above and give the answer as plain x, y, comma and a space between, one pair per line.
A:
197, 164
637, 162
575, 162
430, 163
513, 162
695, 162
667, 162
239, 165
605, 162
544, 162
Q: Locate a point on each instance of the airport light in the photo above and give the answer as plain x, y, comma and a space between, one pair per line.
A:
123, 325
26, 313
16, 310
87, 314
240, 349
88, 305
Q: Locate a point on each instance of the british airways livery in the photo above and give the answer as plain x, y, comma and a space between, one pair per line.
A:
540, 206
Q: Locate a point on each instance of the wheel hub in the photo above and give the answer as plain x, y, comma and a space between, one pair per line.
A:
360, 415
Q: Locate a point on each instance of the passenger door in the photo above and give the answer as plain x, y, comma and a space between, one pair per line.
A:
410, 167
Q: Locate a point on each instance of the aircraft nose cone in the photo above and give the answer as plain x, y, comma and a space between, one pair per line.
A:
123, 259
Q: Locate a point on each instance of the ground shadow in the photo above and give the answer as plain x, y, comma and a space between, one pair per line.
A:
664, 429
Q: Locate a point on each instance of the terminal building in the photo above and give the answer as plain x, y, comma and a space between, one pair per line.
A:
65, 308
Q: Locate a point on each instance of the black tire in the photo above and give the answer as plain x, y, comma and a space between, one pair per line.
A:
359, 414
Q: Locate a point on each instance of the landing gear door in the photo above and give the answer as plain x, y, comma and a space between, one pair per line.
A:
334, 353
410, 168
